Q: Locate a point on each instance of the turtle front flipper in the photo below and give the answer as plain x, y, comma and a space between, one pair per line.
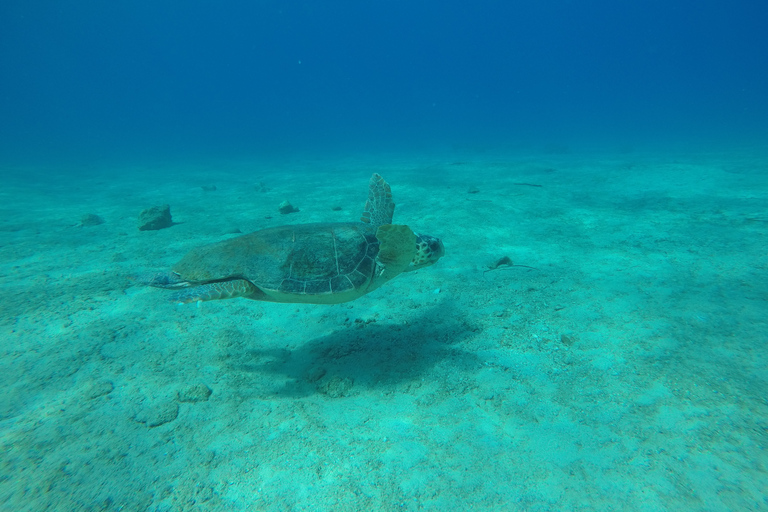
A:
397, 247
380, 207
216, 291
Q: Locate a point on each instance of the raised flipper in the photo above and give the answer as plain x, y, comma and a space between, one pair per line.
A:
380, 207
216, 291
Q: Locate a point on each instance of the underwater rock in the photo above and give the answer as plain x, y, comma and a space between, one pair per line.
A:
158, 413
336, 387
157, 217
315, 374
208, 188
195, 393
90, 219
504, 261
286, 207
97, 388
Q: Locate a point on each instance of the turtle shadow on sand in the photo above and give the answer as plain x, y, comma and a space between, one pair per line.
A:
366, 356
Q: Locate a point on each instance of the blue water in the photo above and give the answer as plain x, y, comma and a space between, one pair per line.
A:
595, 337
140, 81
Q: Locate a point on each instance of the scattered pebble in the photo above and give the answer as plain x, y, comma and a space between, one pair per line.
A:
504, 261
286, 207
98, 388
90, 219
195, 393
336, 387
158, 413
157, 217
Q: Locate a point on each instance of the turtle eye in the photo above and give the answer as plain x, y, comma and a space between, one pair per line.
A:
431, 246
437, 248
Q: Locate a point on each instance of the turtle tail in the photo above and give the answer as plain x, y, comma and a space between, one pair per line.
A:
215, 291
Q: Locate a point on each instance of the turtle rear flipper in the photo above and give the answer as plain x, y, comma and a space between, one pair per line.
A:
216, 291
162, 279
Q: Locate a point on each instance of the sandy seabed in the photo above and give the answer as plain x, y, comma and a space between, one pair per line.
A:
620, 364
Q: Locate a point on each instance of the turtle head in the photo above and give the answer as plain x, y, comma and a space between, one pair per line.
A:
429, 249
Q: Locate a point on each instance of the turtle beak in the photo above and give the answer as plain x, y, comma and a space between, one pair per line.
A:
438, 249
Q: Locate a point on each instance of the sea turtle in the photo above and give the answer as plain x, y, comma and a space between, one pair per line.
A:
320, 263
